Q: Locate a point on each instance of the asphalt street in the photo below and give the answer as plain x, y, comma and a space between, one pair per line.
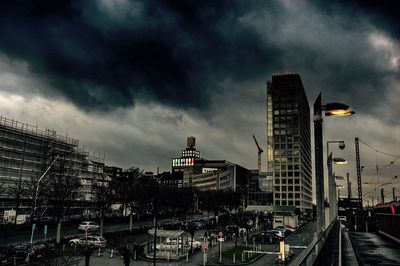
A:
69, 232
299, 240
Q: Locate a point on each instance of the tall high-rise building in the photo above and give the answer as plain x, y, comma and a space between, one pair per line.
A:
289, 141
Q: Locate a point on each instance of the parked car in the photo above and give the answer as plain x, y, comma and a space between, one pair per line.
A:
286, 231
3, 259
199, 224
89, 226
22, 250
90, 241
196, 244
270, 236
302, 223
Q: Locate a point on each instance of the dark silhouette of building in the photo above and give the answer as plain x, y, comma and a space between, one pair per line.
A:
289, 141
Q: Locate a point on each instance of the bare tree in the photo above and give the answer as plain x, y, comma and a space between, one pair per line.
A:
103, 196
133, 188
61, 187
17, 190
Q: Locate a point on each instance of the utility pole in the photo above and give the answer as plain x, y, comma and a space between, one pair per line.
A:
361, 210
348, 187
155, 210
394, 195
382, 196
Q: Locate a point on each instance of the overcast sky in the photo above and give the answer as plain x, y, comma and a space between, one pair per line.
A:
133, 79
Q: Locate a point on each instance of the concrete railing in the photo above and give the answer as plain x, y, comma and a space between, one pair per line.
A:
312, 253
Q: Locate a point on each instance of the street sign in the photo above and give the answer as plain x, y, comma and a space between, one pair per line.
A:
221, 235
204, 246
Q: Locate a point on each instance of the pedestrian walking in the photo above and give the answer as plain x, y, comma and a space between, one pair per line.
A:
127, 256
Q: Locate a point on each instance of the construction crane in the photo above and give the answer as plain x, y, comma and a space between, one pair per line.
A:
259, 153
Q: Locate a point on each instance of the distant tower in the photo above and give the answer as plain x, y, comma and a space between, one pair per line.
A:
289, 141
188, 158
191, 142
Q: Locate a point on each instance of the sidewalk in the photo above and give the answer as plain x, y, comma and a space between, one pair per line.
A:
348, 255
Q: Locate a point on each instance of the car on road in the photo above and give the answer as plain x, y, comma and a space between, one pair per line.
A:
89, 241
270, 236
21, 251
302, 222
286, 231
89, 226
197, 224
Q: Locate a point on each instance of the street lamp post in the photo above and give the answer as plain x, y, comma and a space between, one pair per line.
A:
331, 178
331, 109
36, 195
319, 168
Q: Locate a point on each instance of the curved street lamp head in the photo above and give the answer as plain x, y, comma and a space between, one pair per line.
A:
338, 160
337, 109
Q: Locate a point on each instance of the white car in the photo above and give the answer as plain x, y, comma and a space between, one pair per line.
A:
90, 241
89, 226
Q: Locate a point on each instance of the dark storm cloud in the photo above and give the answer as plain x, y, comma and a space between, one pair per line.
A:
163, 51
108, 54
384, 13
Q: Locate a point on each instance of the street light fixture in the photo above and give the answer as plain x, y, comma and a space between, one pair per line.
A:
331, 109
338, 160
337, 109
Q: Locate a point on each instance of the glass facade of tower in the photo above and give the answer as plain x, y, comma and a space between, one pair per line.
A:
289, 141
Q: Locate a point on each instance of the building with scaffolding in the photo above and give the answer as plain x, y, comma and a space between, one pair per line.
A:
29, 158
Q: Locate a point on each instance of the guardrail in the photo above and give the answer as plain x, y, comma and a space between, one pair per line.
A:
310, 254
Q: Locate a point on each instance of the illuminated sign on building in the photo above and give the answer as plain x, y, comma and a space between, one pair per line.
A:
179, 162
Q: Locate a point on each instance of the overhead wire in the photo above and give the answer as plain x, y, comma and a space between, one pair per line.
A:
378, 168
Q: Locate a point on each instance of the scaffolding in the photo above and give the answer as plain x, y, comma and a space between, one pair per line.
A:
26, 152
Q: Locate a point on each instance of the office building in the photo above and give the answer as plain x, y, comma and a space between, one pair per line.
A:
209, 174
289, 141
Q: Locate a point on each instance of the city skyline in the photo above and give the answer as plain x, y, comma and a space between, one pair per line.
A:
134, 79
